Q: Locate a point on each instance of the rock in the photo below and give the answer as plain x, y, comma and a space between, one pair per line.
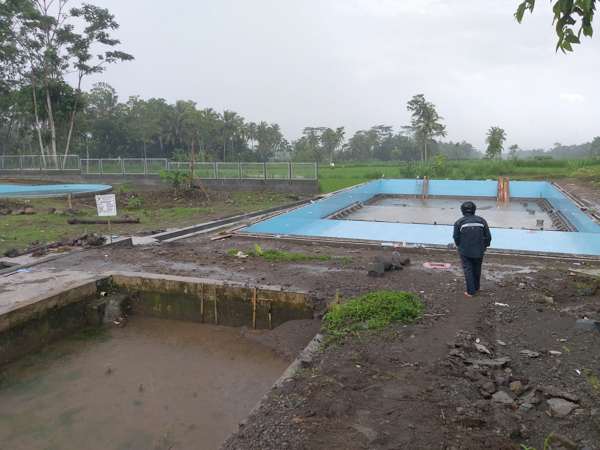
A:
516, 387
489, 387
587, 325
502, 343
530, 353
530, 398
525, 407
551, 391
521, 286
11, 253
482, 349
493, 363
560, 407
503, 398
502, 380
28, 211
555, 353
563, 441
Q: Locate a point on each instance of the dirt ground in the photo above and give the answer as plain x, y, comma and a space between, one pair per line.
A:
507, 369
420, 386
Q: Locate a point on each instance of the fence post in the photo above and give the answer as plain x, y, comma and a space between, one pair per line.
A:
145, 166
240, 170
101, 167
265, 170
289, 170
21, 163
122, 165
216, 170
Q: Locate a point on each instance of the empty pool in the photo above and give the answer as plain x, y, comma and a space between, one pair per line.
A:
51, 190
538, 218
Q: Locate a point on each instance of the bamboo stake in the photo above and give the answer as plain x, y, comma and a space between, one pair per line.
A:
216, 311
202, 303
270, 317
254, 295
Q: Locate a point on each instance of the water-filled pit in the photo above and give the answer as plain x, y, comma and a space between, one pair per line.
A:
105, 366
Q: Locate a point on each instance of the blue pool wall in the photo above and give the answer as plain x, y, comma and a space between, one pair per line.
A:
50, 190
310, 220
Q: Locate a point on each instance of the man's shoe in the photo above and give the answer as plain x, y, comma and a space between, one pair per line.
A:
468, 295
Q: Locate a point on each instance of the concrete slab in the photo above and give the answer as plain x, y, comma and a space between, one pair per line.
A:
517, 214
22, 289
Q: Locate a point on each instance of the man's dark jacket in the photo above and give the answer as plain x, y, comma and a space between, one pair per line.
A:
472, 236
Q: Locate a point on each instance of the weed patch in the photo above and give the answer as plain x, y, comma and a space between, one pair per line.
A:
372, 311
272, 255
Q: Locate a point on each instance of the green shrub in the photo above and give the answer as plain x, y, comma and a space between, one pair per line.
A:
176, 179
372, 311
135, 203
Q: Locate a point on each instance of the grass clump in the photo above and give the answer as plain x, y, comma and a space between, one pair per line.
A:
272, 255
372, 311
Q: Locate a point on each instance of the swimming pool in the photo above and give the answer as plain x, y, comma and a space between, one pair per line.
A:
50, 190
318, 220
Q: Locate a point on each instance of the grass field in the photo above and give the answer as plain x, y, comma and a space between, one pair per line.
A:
155, 211
345, 175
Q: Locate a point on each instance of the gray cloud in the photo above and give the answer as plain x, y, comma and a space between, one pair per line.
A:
357, 62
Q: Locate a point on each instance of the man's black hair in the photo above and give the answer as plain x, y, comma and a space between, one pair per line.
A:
468, 208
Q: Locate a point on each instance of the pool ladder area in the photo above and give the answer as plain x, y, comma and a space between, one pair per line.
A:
345, 212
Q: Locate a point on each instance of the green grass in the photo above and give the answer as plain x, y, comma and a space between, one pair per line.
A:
345, 175
272, 255
19, 231
372, 311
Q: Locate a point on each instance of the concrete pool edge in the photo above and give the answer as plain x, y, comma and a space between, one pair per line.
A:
30, 323
311, 221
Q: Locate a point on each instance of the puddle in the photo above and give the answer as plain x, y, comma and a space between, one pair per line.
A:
154, 384
500, 272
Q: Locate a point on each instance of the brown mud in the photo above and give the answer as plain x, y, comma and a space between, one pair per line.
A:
155, 384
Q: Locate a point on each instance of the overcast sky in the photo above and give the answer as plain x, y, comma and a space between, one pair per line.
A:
355, 63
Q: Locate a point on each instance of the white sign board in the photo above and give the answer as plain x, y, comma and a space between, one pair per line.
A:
106, 205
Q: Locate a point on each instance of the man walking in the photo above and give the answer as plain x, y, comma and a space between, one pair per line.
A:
472, 237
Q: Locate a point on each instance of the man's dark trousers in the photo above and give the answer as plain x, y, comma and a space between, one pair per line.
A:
472, 269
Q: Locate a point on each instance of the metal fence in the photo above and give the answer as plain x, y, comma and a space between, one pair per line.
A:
32, 163
154, 166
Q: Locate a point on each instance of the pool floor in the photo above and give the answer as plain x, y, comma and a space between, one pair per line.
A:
524, 213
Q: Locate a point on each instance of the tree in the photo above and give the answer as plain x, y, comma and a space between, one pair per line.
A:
45, 35
595, 147
331, 141
572, 18
513, 149
495, 140
426, 123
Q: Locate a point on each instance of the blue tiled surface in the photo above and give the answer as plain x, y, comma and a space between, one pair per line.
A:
48, 190
309, 220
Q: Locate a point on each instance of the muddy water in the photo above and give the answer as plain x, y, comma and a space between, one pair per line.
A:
152, 385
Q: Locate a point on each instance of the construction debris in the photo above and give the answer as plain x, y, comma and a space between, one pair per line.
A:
382, 264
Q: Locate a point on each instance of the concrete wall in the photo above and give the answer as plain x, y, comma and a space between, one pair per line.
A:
152, 182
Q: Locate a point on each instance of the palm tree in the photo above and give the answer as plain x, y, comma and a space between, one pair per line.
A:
495, 140
426, 123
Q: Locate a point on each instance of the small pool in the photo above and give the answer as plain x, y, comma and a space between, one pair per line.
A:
539, 219
50, 190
